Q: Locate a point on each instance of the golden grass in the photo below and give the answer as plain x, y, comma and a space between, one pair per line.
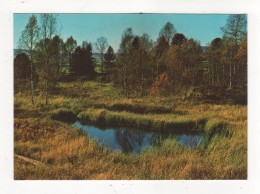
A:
67, 153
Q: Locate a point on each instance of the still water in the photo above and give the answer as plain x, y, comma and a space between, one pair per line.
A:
130, 140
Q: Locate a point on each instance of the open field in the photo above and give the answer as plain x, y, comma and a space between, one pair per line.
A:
48, 148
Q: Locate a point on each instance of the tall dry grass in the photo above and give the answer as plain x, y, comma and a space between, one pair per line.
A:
68, 153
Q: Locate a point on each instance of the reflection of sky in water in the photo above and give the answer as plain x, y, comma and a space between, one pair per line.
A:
190, 140
130, 140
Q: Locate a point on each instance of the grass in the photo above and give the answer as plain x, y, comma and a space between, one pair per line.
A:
65, 152
162, 122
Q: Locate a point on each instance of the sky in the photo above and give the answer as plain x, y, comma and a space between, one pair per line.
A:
88, 27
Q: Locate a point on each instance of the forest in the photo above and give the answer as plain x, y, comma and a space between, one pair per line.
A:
171, 83
141, 66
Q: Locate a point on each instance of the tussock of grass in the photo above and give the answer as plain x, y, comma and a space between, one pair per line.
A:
136, 108
173, 122
215, 125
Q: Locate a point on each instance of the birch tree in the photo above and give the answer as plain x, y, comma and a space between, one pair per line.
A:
234, 32
48, 31
28, 42
101, 46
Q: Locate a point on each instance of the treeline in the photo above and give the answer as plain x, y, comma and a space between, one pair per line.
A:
141, 66
175, 62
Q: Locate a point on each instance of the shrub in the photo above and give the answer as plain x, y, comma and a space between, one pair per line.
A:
64, 115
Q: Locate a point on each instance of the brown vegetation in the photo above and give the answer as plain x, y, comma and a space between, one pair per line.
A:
65, 152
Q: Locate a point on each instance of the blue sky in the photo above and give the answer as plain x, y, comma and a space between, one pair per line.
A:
201, 27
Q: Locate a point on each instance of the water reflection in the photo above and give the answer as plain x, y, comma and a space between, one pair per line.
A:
132, 140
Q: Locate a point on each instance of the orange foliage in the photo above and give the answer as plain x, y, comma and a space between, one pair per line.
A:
160, 85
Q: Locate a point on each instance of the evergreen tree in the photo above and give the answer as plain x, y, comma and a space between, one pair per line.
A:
22, 67
109, 60
178, 39
82, 62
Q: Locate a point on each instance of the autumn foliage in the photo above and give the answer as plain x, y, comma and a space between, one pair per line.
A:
161, 85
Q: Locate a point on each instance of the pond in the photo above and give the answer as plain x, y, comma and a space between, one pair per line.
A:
130, 140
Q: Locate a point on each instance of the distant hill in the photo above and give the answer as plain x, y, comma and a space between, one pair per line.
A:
19, 51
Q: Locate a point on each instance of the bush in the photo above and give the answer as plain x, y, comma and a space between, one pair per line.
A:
64, 115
